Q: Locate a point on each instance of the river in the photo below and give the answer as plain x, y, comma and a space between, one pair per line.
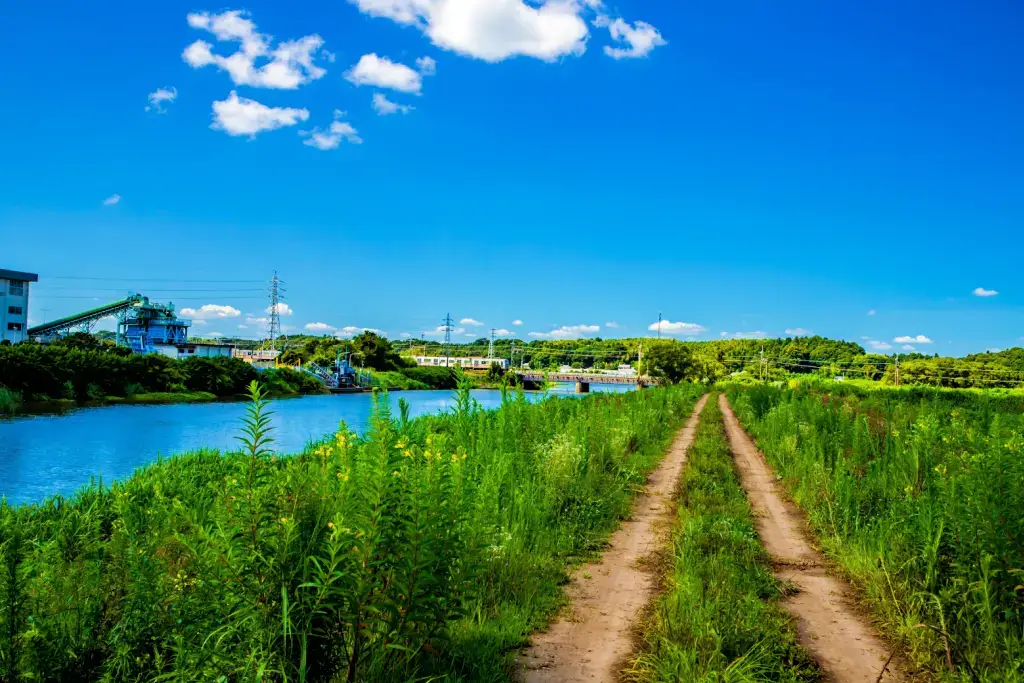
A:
42, 455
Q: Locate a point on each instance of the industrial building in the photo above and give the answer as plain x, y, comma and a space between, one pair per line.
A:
465, 362
14, 286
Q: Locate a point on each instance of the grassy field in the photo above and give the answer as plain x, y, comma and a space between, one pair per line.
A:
424, 549
717, 617
918, 495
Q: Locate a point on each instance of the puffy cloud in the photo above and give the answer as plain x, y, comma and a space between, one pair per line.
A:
567, 331
471, 322
613, 325
756, 334
504, 333
243, 327
383, 106
211, 312
159, 97
350, 330
242, 116
331, 137
405, 335
517, 322
282, 309
287, 65
112, 199
256, 321
636, 40
908, 347
491, 30
798, 332
320, 327
199, 323
426, 65
981, 291
919, 339
381, 72
872, 312
669, 327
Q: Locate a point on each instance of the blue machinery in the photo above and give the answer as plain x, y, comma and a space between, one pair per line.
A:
141, 325
342, 376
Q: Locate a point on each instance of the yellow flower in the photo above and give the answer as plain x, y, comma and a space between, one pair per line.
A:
407, 453
284, 520
396, 473
330, 525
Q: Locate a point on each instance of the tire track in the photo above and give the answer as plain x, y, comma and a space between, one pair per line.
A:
592, 642
829, 625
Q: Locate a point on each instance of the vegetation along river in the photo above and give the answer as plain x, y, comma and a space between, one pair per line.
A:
44, 455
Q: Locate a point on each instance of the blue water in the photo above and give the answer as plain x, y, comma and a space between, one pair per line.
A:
49, 454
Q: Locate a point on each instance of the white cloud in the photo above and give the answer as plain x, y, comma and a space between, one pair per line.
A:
287, 328
243, 327
331, 137
383, 106
242, 116
215, 334
491, 30
613, 325
159, 97
908, 347
798, 332
286, 66
637, 40
439, 331
567, 331
426, 65
282, 309
879, 345
872, 312
320, 327
669, 327
981, 291
756, 334
111, 200
471, 335
200, 322
471, 322
919, 339
350, 330
381, 72
257, 321
405, 335
517, 322
504, 333
211, 312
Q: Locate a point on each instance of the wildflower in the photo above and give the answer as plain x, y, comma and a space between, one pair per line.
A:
407, 453
284, 520
330, 525
400, 445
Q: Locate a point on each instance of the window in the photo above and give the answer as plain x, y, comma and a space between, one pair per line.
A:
17, 288
14, 310
17, 327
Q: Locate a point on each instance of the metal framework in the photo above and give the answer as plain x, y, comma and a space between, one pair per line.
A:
87, 319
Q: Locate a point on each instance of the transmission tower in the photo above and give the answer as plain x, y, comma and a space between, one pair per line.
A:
659, 324
447, 339
274, 321
490, 347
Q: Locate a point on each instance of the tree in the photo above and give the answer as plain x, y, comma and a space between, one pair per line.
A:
376, 352
668, 360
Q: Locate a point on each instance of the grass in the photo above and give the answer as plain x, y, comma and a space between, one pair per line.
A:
425, 549
10, 401
164, 397
717, 618
396, 380
919, 498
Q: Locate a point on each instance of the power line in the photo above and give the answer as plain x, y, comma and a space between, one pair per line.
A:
150, 279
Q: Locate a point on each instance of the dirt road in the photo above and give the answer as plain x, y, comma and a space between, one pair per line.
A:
592, 641
828, 624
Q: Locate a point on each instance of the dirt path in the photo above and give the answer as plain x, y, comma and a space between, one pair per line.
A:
829, 625
592, 642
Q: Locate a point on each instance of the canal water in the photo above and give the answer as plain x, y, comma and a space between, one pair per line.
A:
49, 454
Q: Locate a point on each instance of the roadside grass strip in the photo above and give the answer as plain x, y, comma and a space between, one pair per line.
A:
717, 618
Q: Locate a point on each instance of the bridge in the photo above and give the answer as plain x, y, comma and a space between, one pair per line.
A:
85, 320
583, 380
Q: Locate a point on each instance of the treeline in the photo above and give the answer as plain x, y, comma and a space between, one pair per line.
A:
82, 368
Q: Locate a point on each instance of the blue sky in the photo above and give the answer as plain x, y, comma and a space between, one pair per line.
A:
741, 167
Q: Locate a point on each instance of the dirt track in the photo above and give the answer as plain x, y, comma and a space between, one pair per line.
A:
591, 643
828, 624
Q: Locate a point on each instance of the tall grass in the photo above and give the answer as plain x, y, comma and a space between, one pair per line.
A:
717, 619
922, 503
422, 549
10, 401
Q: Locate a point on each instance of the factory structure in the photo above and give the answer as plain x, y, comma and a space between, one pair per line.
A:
14, 288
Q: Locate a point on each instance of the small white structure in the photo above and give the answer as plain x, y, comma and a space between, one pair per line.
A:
183, 351
14, 304
465, 362
255, 355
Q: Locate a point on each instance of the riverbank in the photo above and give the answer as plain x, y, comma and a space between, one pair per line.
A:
485, 511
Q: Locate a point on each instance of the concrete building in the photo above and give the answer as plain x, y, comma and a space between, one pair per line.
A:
14, 286
467, 362
190, 349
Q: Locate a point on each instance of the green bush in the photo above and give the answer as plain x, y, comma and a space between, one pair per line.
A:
435, 378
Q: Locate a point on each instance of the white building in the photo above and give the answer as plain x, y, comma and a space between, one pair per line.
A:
466, 362
183, 351
14, 287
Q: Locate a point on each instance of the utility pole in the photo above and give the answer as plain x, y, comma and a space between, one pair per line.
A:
447, 339
274, 321
490, 347
659, 324
897, 369
640, 360
762, 362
